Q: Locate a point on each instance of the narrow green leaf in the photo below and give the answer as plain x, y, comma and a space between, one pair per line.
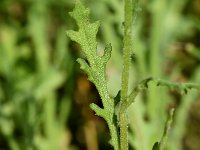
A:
99, 111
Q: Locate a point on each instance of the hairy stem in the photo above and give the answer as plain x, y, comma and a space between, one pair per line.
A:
114, 136
127, 48
123, 131
125, 74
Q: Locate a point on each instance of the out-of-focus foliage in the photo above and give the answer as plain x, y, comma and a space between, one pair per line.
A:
35, 65
44, 98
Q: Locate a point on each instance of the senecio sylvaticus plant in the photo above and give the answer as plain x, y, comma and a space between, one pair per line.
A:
114, 109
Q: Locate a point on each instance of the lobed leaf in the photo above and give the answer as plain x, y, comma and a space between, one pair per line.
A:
96, 66
86, 35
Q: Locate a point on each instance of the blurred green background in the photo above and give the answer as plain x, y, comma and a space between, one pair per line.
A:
44, 96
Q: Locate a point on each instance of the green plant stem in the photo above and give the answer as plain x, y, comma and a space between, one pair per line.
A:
125, 74
123, 131
182, 87
114, 135
167, 129
127, 47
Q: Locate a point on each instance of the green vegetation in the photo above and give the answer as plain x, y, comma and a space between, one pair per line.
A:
96, 71
142, 61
